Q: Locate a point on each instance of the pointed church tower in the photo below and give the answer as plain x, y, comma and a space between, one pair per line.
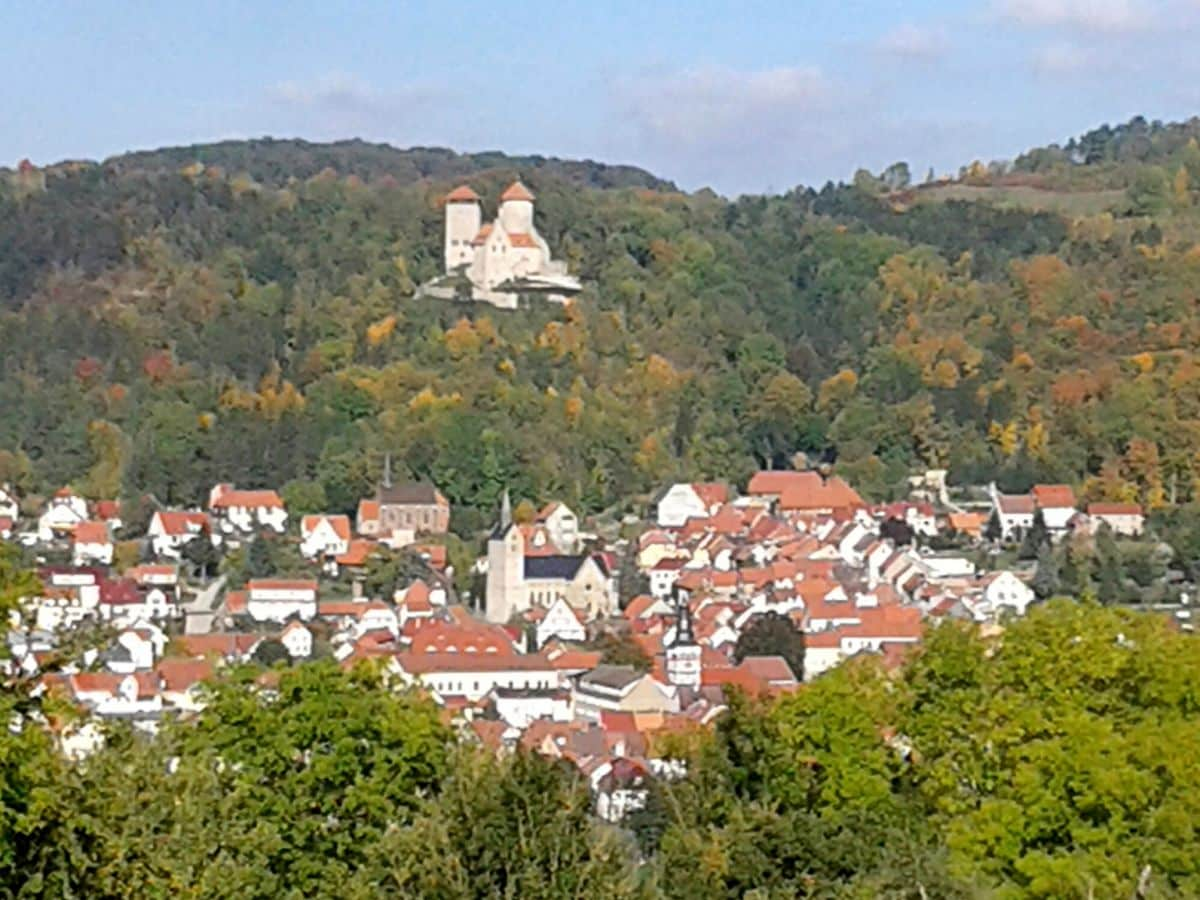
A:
506, 568
683, 656
387, 470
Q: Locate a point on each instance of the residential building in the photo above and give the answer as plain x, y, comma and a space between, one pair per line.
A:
621, 689
322, 536
278, 599
1125, 519
170, 530
685, 501
246, 512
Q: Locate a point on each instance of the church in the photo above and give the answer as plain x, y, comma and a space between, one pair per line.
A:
526, 568
501, 259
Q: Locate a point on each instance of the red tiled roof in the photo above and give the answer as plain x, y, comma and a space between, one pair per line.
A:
1053, 496
516, 191
91, 533
1016, 504
120, 592
178, 523
519, 239
180, 674
152, 570
462, 194
258, 499
711, 493
368, 510
833, 494
1114, 509
581, 660
227, 644
235, 603
357, 553
481, 238
339, 523
107, 509
437, 638
777, 481
420, 663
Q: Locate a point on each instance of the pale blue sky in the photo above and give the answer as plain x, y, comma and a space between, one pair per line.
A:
743, 96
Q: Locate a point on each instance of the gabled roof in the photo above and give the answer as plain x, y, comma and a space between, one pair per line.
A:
257, 499
177, 523
777, 481
516, 191
1053, 496
339, 523
1016, 504
564, 568
520, 239
180, 674
462, 194
617, 678
485, 232
1114, 509
92, 533
411, 493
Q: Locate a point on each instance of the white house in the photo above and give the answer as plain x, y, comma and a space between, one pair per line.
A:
520, 707
562, 525
1002, 591
277, 600
124, 603
664, 575
560, 621
124, 696
135, 649
246, 511
1126, 519
1057, 504
91, 543
684, 501
297, 640
472, 676
170, 530
324, 536
63, 513
358, 617
1015, 512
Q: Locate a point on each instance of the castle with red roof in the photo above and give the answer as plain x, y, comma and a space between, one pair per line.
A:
501, 259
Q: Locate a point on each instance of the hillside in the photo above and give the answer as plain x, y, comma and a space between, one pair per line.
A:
243, 311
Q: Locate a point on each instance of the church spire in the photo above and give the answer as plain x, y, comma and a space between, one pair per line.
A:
505, 510
387, 470
684, 633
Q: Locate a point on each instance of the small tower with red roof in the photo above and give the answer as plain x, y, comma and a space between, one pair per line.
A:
463, 220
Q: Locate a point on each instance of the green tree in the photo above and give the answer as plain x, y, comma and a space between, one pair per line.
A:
772, 635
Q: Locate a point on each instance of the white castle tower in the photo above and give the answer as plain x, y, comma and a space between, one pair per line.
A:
516, 209
683, 656
463, 221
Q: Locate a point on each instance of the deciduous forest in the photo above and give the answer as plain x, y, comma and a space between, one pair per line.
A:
245, 312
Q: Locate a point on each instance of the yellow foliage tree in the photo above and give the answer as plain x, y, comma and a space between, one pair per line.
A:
380, 331
462, 339
837, 390
1004, 437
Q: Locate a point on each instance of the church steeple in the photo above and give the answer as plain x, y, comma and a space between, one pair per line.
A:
505, 510
683, 655
684, 633
387, 470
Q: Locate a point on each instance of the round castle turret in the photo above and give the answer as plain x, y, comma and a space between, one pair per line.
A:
516, 209
463, 219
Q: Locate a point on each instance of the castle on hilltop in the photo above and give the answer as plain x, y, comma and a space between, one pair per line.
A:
499, 260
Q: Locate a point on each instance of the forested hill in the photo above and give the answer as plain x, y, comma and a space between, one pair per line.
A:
275, 162
245, 312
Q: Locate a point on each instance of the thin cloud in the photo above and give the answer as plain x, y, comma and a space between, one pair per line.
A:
914, 42
719, 104
339, 91
1108, 16
1062, 59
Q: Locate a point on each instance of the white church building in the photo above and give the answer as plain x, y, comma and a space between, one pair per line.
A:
501, 259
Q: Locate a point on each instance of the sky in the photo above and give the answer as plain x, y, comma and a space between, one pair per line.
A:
741, 97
